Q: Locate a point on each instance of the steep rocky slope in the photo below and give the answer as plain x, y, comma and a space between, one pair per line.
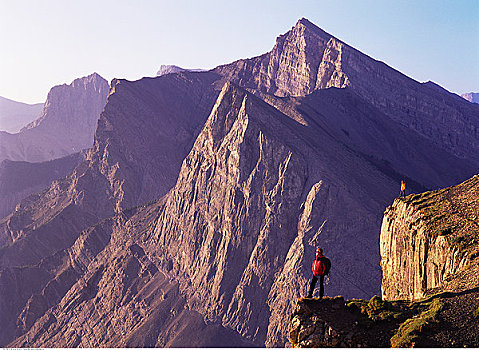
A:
248, 166
66, 125
15, 115
51, 220
236, 233
427, 239
429, 248
260, 187
18, 180
105, 291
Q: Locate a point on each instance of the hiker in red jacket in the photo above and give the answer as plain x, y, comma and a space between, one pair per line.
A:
321, 267
403, 189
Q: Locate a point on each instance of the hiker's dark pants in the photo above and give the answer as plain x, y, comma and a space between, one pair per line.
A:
403, 193
313, 284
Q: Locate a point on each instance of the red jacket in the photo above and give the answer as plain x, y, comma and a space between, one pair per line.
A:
318, 266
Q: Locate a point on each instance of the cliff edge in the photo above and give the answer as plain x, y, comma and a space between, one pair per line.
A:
430, 287
430, 242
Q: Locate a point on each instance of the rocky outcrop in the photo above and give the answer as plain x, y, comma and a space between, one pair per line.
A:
324, 323
427, 239
66, 125
18, 180
167, 69
15, 115
442, 320
471, 97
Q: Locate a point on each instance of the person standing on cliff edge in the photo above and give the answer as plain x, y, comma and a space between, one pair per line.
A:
403, 189
321, 267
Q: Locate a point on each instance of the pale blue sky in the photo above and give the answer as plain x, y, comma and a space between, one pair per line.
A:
50, 42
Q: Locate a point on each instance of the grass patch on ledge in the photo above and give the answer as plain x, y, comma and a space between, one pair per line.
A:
409, 332
412, 319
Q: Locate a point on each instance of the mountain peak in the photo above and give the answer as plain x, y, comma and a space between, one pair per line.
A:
306, 23
170, 68
94, 79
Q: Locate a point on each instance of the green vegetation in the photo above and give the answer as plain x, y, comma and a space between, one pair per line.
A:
411, 318
409, 332
377, 309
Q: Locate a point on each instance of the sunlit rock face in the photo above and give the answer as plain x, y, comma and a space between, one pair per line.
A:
205, 195
428, 240
306, 58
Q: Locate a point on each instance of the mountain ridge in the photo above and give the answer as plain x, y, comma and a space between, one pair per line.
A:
15, 115
306, 58
66, 125
242, 169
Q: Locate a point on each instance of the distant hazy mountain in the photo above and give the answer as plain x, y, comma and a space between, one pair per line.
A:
15, 115
66, 125
471, 97
167, 69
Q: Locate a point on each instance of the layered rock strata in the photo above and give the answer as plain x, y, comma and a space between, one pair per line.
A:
428, 239
306, 59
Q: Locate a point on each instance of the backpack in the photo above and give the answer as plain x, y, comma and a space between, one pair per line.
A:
321, 267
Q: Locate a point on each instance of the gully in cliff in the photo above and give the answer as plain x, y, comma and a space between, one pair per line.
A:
321, 267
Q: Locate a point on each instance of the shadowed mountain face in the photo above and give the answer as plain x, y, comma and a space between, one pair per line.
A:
249, 186
66, 125
15, 115
20, 179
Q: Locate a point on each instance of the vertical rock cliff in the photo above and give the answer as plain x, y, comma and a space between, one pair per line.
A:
428, 239
241, 185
